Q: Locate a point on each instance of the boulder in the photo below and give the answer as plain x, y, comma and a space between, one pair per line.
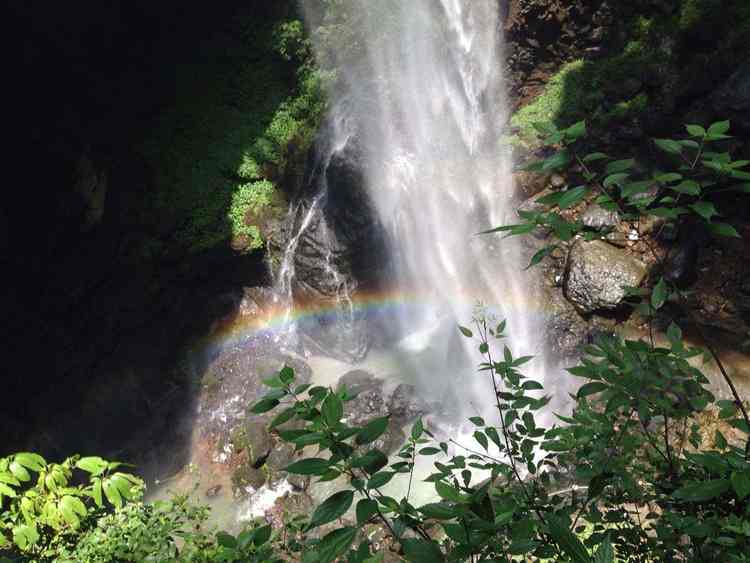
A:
369, 402
596, 217
596, 274
406, 404
257, 441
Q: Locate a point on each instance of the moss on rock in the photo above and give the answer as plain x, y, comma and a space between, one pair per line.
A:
663, 58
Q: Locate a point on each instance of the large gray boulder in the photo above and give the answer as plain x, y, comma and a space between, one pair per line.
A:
596, 274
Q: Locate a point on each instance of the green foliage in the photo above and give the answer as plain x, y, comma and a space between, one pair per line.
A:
682, 184
43, 509
173, 530
662, 55
644, 491
243, 119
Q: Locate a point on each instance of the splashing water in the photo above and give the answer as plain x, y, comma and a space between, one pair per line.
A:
424, 82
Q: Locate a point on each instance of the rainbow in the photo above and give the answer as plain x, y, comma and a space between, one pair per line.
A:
271, 318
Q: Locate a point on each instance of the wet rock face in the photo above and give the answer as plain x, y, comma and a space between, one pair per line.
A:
341, 251
232, 382
596, 273
371, 402
343, 247
540, 34
406, 404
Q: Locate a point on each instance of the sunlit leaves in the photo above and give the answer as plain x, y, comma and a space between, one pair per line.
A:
669, 146
332, 508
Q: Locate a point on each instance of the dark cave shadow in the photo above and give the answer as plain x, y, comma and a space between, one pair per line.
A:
99, 318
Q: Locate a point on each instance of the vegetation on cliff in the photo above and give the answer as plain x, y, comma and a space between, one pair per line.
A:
238, 135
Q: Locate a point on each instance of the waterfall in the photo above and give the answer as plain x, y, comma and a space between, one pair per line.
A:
423, 80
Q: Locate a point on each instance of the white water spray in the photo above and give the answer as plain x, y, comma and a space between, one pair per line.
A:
423, 79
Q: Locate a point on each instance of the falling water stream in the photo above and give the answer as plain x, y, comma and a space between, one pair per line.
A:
420, 89
425, 87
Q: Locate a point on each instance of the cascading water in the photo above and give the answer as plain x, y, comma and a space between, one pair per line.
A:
423, 80
418, 106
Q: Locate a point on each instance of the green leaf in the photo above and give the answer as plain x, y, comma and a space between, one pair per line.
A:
94, 465
366, 509
668, 178
335, 544
264, 405
112, 492
286, 375
719, 128
372, 430
448, 492
274, 382
482, 439
332, 508
619, 166
741, 483
723, 230
7, 491
284, 416
576, 130
659, 294
226, 540
9, 479
25, 535
572, 196
32, 461
372, 461
493, 435
688, 187
418, 550
591, 388
616, 179
96, 492
556, 161
703, 490
594, 156
332, 409
19, 471
634, 188
310, 466
465, 331
477, 420
605, 553
262, 535
568, 542
689, 143
541, 255
668, 212
696, 130
705, 209
417, 429
380, 479
439, 511
668, 145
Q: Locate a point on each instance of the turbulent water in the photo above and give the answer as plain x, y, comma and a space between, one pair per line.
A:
422, 80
